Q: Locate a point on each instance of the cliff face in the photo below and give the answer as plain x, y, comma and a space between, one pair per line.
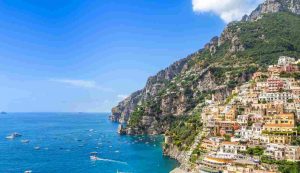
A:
274, 6
212, 72
122, 111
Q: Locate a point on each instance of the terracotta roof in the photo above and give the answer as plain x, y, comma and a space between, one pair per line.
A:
286, 115
227, 142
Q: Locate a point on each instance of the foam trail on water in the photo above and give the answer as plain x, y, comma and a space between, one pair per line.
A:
109, 160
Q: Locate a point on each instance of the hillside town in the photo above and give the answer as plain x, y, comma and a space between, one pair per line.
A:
256, 126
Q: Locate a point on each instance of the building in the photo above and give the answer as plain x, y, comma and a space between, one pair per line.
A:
275, 151
275, 84
285, 60
231, 147
218, 162
292, 153
274, 108
242, 119
280, 128
241, 166
230, 115
278, 96
209, 145
283, 152
226, 127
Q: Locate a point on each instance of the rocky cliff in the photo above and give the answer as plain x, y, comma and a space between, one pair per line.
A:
122, 112
274, 6
212, 72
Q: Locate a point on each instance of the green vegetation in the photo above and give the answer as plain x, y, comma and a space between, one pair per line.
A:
295, 75
197, 153
184, 130
256, 151
227, 137
136, 116
296, 140
272, 36
140, 111
240, 110
284, 166
229, 98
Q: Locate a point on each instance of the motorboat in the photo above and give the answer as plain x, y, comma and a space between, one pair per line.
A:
10, 137
25, 141
93, 156
28, 171
13, 135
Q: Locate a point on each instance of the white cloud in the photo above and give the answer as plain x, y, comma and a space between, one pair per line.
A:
228, 10
88, 84
122, 96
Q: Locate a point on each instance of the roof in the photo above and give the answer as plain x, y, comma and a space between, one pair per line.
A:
218, 160
279, 125
244, 162
290, 115
229, 143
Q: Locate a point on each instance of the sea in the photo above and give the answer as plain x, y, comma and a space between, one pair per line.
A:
63, 143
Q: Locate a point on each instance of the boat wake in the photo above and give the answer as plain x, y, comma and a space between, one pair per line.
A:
109, 160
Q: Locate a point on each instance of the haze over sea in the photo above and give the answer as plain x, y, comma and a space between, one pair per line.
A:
66, 140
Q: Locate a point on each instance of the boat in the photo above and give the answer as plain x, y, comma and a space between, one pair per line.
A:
16, 134
13, 135
93, 156
29, 171
10, 137
25, 141
37, 148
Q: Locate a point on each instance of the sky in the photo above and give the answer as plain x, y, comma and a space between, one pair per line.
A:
86, 56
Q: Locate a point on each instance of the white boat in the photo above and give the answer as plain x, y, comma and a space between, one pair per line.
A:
29, 171
37, 148
13, 135
17, 134
25, 141
10, 137
93, 156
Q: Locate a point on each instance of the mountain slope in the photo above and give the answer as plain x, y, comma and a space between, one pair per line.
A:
175, 94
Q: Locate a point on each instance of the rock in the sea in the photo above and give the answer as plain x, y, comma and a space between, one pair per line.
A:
121, 129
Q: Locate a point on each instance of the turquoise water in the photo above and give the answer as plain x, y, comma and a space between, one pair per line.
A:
66, 140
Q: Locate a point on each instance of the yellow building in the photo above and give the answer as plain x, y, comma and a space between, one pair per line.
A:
280, 128
274, 108
280, 122
280, 139
231, 114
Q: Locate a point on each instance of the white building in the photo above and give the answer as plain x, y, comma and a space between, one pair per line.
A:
256, 130
283, 152
276, 151
281, 96
285, 60
292, 153
231, 147
242, 119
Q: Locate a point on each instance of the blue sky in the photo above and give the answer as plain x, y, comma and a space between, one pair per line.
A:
74, 55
